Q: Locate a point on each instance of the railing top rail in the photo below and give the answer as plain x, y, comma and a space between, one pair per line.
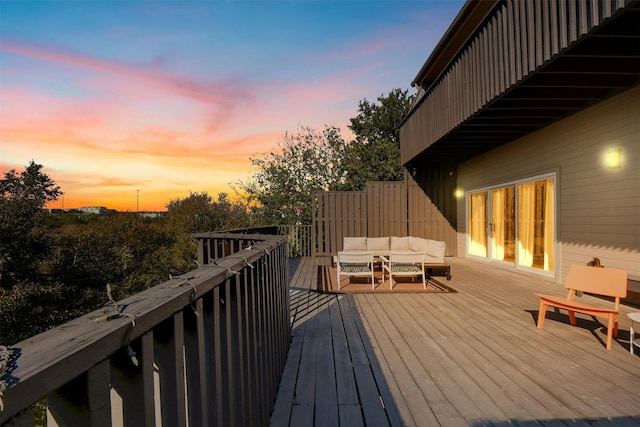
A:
237, 235
45, 362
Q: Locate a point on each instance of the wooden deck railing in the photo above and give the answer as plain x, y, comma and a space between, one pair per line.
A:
204, 348
299, 237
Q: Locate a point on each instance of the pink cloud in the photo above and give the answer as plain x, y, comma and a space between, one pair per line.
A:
225, 94
172, 134
353, 52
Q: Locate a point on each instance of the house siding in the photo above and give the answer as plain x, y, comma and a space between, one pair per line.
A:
597, 209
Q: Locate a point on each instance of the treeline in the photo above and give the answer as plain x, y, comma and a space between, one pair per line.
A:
55, 268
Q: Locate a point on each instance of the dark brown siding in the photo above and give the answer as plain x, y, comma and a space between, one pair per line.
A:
514, 40
432, 205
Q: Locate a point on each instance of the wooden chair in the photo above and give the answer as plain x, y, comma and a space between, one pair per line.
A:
406, 264
609, 282
355, 264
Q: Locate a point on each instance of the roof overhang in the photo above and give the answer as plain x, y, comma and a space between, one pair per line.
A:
601, 64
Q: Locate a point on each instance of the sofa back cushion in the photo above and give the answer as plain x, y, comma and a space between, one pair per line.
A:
437, 249
418, 244
377, 244
354, 244
400, 243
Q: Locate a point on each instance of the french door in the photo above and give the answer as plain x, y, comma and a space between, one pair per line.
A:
513, 224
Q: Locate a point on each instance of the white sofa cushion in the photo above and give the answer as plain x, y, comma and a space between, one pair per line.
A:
418, 244
437, 250
400, 243
377, 244
354, 244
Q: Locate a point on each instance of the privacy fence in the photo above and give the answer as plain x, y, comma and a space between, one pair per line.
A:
384, 209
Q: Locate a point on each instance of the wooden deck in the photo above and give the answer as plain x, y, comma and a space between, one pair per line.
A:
469, 358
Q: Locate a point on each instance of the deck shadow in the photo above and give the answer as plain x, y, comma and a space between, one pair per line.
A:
332, 376
594, 325
586, 422
327, 282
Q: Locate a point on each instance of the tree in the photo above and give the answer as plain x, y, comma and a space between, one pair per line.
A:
200, 213
375, 153
281, 189
24, 240
230, 215
122, 249
192, 214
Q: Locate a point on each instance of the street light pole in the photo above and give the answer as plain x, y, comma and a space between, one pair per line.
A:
137, 199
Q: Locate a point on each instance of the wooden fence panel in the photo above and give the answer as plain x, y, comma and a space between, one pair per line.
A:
399, 208
386, 209
338, 214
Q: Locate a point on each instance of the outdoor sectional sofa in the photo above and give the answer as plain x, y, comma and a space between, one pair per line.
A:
434, 250
382, 246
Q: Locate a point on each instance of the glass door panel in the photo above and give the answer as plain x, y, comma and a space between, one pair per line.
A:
478, 224
514, 224
536, 224
503, 224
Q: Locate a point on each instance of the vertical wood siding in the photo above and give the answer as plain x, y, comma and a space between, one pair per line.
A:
517, 37
598, 209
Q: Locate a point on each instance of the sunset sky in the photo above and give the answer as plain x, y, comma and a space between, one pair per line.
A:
127, 102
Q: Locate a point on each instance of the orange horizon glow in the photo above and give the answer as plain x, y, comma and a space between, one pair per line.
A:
136, 202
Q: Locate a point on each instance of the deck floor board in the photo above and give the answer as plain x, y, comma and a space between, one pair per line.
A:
469, 358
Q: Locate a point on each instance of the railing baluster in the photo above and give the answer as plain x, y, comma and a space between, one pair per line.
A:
220, 355
196, 366
151, 402
127, 382
169, 357
84, 401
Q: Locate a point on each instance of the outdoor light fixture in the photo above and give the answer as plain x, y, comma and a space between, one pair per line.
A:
459, 193
613, 159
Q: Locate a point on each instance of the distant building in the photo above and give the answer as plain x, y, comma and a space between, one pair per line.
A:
98, 210
152, 214
55, 211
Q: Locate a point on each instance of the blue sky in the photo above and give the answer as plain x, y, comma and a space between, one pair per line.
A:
172, 97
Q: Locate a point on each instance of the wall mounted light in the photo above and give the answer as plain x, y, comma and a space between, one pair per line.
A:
613, 159
459, 193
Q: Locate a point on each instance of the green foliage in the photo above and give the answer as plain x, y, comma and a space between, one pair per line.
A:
282, 186
56, 267
198, 213
24, 238
375, 153
111, 250
29, 309
30, 185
